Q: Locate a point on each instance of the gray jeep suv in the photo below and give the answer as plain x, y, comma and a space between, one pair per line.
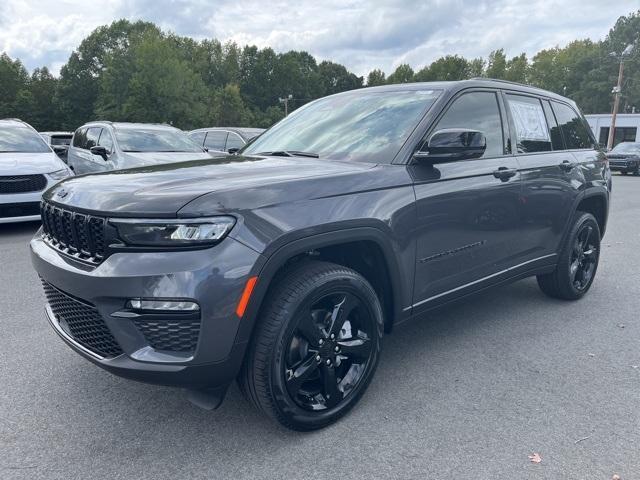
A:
283, 266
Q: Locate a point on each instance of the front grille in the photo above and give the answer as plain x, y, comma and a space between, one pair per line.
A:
82, 322
22, 183
24, 209
74, 233
172, 335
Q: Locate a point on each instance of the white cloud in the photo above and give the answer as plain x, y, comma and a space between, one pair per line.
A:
357, 33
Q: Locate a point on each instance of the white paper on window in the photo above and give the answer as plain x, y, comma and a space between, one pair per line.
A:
530, 121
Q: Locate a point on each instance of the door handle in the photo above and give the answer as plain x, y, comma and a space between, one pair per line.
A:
504, 173
567, 166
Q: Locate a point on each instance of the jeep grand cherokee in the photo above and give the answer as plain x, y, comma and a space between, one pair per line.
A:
283, 266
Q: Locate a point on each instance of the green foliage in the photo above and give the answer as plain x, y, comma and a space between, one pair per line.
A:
134, 71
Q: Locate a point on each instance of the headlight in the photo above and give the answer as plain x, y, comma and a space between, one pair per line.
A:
173, 233
60, 174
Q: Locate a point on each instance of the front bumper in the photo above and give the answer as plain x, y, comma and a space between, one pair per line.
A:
214, 278
623, 167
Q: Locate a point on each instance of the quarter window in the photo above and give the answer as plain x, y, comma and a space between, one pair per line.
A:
215, 140
477, 111
234, 141
532, 131
575, 132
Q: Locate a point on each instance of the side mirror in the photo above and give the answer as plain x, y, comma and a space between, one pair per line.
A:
233, 151
59, 149
453, 144
100, 150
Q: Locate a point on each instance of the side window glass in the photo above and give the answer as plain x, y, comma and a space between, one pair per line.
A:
216, 140
106, 140
234, 141
198, 137
93, 134
477, 111
532, 132
575, 132
554, 128
80, 138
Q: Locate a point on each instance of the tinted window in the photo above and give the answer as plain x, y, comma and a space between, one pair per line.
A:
477, 111
21, 139
198, 137
93, 134
556, 135
155, 140
575, 132
532, 132
623, 134
80, 138
234, 141
362, 125
106, 140
61, 140
215, 140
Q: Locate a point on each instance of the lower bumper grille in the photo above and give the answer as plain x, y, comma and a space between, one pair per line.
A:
82, 322
22, 183
170, 335
25, 209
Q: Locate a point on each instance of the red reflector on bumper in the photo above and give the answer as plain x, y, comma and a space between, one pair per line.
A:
246, 295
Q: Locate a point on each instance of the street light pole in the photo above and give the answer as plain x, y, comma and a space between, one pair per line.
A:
285, 100
617, 90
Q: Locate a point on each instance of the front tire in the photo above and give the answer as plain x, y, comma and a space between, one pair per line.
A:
577, 263
316, 345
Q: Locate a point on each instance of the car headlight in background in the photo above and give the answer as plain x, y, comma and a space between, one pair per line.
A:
174, 232
61, 174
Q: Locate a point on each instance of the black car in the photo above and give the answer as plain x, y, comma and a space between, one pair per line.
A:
625, 158
284, 266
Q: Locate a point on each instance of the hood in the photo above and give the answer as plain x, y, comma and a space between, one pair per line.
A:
162, 190
622, 156
12, 163
143, 159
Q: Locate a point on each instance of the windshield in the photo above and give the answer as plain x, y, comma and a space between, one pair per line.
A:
363, 125
21, 139
155, 140
626, 147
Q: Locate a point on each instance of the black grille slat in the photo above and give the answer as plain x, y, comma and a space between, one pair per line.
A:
22, 183
25, 209
73, 233
170, 335
83, 322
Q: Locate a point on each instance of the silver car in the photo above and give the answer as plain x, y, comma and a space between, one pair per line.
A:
103, 146
28, 166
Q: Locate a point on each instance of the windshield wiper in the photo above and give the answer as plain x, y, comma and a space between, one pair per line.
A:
289, 153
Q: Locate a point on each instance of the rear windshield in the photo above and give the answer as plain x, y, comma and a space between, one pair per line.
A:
61, 139
22, 140
155, 140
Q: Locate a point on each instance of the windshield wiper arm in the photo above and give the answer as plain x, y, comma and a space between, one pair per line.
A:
289, 153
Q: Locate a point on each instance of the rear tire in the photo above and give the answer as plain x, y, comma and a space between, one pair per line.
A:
577, 263
316, 345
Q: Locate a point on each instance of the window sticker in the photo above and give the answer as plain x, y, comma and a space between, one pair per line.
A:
529, 120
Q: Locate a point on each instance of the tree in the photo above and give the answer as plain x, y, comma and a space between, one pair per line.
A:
229, 109
376, 77
402, 74
497, 64
13, 79
450, 67
517, 69
336, 78
44, 113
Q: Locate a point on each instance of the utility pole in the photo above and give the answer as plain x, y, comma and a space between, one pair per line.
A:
617, 90
285, 100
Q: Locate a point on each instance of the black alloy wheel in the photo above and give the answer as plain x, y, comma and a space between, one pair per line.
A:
316, 345
328, 352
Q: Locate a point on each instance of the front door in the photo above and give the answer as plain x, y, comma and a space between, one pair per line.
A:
468, 210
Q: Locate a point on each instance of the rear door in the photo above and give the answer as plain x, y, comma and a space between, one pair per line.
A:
467, 211
74, 158
549, 176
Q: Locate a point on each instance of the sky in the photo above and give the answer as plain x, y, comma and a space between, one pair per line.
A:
362, 35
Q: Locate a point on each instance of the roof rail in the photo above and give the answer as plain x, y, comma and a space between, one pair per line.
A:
502, 81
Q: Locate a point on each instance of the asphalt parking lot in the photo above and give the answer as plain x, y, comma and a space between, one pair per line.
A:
467, 393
